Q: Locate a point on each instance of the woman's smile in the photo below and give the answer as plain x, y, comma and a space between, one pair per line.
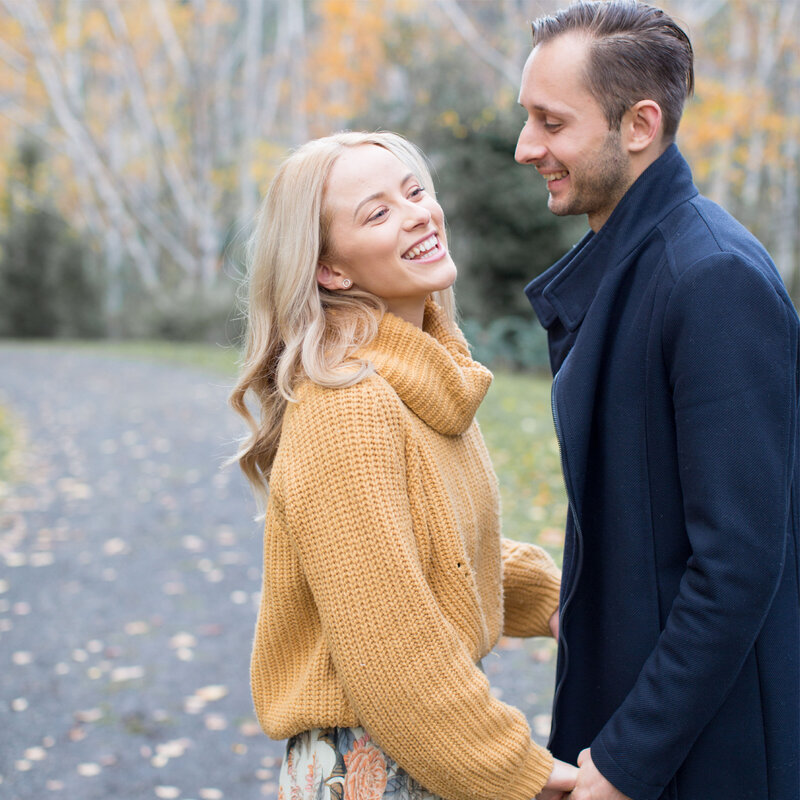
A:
429, 249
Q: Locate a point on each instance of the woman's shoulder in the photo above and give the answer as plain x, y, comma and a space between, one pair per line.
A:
370, 398
326, 424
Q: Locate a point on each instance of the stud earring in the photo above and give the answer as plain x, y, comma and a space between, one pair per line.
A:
347, 283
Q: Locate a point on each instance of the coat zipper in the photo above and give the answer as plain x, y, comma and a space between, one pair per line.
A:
578, 555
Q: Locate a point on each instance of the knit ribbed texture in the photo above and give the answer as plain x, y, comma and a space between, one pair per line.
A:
385, 573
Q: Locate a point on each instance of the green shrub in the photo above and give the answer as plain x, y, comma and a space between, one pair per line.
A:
508, 342
49, 280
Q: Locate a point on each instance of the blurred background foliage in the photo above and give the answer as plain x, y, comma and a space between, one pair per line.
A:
138, 135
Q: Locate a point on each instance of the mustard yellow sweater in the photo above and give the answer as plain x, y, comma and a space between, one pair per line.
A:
385, 577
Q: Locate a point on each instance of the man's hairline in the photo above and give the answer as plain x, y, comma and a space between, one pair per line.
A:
589, 37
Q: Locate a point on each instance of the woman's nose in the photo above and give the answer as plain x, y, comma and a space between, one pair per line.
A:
417, 214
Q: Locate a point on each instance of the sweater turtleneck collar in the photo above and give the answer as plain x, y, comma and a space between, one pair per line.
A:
430, 369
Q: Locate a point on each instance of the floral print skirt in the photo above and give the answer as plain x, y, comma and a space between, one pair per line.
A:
343, 764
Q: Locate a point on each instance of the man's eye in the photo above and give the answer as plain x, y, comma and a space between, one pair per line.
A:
551, 126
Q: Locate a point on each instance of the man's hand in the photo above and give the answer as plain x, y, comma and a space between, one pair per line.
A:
560, 782
591, 785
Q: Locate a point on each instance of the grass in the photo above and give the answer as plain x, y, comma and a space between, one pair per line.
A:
6, 441
517, 424
217, 358
515, 419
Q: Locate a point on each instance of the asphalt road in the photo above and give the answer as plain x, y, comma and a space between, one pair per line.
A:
130, 569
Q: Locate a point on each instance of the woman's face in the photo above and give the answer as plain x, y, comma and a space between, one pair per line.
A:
386, 233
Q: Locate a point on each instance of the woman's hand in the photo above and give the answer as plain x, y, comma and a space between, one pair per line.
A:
560, 783
554, 624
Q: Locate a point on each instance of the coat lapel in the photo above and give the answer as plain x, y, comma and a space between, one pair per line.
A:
575, 301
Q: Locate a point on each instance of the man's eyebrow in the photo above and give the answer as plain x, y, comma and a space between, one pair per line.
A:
542, 109
380, 194
548, 110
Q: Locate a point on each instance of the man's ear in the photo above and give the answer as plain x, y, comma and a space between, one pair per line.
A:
331, 278
641, 125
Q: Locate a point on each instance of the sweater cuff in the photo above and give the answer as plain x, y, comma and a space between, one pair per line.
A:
534, 774
531, 588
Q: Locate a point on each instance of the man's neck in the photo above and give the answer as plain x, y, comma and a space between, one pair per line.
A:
639, 163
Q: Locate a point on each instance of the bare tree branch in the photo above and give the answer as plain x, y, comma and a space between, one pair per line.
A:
172, 42
50, 70
469, 33
159, 136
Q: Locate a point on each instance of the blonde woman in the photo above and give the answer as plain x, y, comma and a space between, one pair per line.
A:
385, 577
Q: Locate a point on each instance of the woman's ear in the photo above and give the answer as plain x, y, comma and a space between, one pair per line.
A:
331, 278
642, 125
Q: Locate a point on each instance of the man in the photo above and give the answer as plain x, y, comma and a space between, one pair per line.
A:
674, 347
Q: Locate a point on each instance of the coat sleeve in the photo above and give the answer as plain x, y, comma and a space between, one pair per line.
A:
531, 584
730, 348
406, 672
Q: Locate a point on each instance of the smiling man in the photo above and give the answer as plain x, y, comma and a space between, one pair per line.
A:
674, 348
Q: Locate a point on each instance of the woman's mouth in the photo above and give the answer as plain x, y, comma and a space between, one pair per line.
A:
427, 250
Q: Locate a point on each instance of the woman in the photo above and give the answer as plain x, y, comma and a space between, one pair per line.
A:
385, 577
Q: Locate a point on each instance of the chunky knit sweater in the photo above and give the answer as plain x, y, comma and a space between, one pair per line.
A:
385, 577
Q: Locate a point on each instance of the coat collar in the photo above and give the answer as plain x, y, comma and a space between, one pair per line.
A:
430, 369
566, 290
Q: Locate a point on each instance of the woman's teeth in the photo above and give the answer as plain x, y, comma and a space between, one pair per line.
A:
423, 248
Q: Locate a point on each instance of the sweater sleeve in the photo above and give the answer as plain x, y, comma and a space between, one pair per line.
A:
531, 584
403, 667
730, 346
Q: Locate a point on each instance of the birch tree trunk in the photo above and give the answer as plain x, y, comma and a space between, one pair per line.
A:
63, 104
254, 25
297, 77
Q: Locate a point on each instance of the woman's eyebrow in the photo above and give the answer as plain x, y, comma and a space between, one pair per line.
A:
380, 194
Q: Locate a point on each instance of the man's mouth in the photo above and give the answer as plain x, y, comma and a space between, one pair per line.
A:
554, 176
424, 250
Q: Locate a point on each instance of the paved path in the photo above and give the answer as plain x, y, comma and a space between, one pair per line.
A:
129, 579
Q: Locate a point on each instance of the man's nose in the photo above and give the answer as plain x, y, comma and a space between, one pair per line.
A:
529, 149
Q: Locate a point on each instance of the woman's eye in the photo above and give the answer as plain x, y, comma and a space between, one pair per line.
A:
377, 215
416, 191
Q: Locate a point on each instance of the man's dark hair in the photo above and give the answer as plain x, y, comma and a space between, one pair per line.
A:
636, 52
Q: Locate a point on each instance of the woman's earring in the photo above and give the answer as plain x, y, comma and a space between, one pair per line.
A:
346, 283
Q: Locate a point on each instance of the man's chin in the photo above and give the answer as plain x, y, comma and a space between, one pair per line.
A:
560, 208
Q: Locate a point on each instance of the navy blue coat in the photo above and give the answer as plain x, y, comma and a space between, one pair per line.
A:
674, 347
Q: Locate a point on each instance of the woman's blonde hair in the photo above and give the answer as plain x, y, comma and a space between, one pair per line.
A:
297, 329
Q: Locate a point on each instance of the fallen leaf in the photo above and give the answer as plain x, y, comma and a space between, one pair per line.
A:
215, 722
183, 639
22, 657
167, 792
137, 628
121, 674
212, 693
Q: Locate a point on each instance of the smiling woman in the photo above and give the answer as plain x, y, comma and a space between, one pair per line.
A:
386, 580
386, 233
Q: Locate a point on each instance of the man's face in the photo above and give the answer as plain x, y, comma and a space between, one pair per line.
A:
566, 135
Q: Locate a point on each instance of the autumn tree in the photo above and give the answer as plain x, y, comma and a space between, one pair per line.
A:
164, 119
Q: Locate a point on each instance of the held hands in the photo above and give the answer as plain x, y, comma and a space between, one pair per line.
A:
591, 785
560, 782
